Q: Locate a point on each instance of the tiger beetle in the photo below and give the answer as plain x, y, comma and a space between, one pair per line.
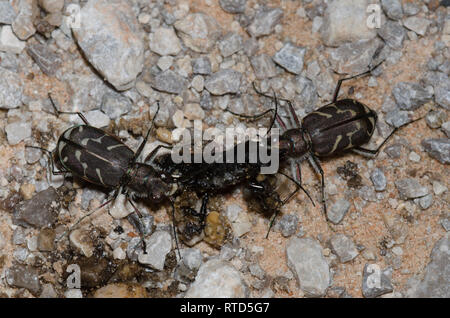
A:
101, 158
340, 126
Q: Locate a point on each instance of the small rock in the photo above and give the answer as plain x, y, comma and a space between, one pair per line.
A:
165, 62
48, 61
40, 211
287, 225
223, 82
291, 57
416, 24
410, 188
73, 293
46, 240
121, 290
52, 6
439, 188
11, 89
263, 66
445, 224
23, 25
7, 13
169, 82
81, 240
199, 32
110, 37
115, 105
410, 8
378, 179
414, 157
165, 42
435, 118
257, 271
306, 261
446, 128
436, 282
397, 250
265, 21
355, 57
338, 210
17, 132
335, 30
230, 44
438, 149
238, 219
410, 96
343, 247
397, 118
193, 111
376, 282
48, 291
201, 65
393, 9
158, 245
393, 34
233, 6
426, 201
24, 277
217, 278
9, 42
97, 118
198, 83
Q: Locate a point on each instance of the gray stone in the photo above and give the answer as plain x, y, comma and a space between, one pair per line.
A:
40, 211
111, 39
251, 47
164, 41
376, 282
438, 149
378, 179
206, 100
257, 271
337, 30
410, 188
394, 151
7, 13
198, 31
435, 118
343, 247
158, 246
11, 89
307, 93
287, 225
393, 34
338, 210
436, 282
97, 118
230, 44
410, 8
445, 224
355, 57
223, 82
265, 21
170, 82
416, 24
115, 105
306, 261
233, 6
24, 277
410, 96
393, 9
426, 201
17, 132
201, 65
9, 42
48, 61
263, 66
52, 6
217, 278
23, 25
291, 57
397, 118
442, 95
446, 128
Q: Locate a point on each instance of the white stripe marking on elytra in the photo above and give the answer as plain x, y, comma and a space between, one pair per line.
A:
99, 175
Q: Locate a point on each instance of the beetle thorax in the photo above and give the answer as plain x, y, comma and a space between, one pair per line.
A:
294, 142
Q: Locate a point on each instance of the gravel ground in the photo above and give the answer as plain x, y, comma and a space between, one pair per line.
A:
113, 60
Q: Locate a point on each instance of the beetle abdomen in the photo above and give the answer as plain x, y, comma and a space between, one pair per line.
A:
94, 155
339, 126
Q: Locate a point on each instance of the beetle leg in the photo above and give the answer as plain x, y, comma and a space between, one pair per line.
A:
141, 146
294, 117
316, 165
153, 153
58, 112
174, 226
338, 86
